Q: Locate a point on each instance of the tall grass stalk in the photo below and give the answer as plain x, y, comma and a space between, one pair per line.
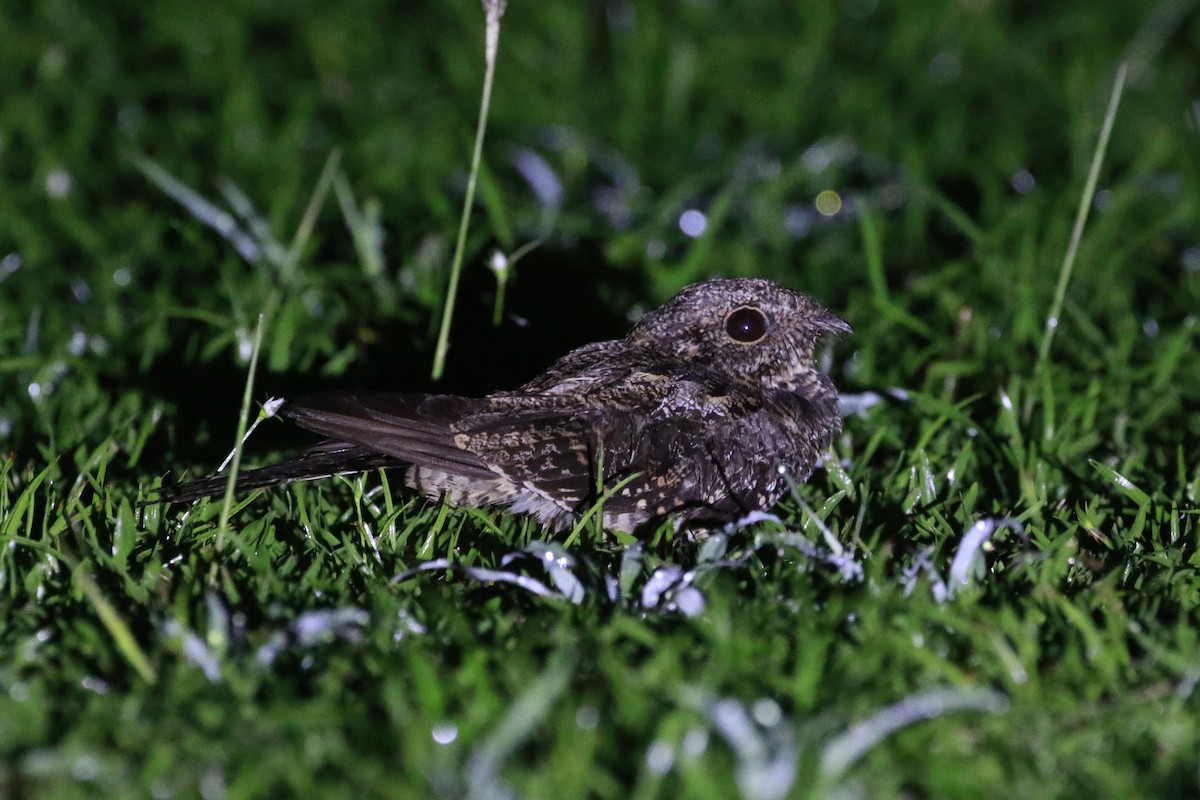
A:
231, 482
494, 10
1081, 216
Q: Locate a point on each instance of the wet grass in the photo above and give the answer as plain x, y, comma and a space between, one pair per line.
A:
348, 639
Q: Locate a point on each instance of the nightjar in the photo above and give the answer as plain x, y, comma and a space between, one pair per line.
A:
696, 415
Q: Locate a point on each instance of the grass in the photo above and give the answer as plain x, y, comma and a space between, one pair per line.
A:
346, 638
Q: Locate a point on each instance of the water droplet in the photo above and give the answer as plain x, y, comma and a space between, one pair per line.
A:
245, 345
587, 718
1022, 181
695, 742
94, 684
78, 344
767, 712
797, 221
498, 263
58, 183
828, 203
945, 67
9, 264
659, 757
53, 62
1190, 259
130, 118
85, 768
445, 733
540, 176
212, 784
692, 222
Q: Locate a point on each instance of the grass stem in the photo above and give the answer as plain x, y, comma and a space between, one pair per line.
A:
1081, 216
494, 9
231, 482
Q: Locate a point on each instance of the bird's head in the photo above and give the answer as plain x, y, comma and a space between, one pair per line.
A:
750, 330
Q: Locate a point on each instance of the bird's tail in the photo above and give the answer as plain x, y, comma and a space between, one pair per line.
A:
323, 461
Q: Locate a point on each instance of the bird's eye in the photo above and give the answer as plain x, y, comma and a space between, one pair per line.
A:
746, 324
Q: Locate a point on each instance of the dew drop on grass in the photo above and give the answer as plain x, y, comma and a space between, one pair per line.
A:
58, 183
798, 221
53, 63
245, 344
945, 67
587, 717
85, 768
1022, 181
407, 626
9, 264
130, 118
695, 742
541, 177
81, 290
212, 784
1190, 260
499, 263
445, 733
689, 602
659, 757
693, 222
766, 712
828, 203
78, 344
95, 685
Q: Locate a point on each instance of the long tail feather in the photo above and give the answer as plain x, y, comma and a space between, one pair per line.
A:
323, 461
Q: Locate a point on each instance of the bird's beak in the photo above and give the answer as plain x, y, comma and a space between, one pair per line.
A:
833, 325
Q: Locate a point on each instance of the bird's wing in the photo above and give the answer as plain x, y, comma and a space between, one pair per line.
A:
413, 428
545, 443
549, 444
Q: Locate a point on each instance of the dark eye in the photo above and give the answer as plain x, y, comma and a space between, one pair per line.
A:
746, 324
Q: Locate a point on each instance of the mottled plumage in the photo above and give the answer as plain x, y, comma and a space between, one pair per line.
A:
695, 415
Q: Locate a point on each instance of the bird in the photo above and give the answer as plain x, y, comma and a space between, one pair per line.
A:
701, 414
